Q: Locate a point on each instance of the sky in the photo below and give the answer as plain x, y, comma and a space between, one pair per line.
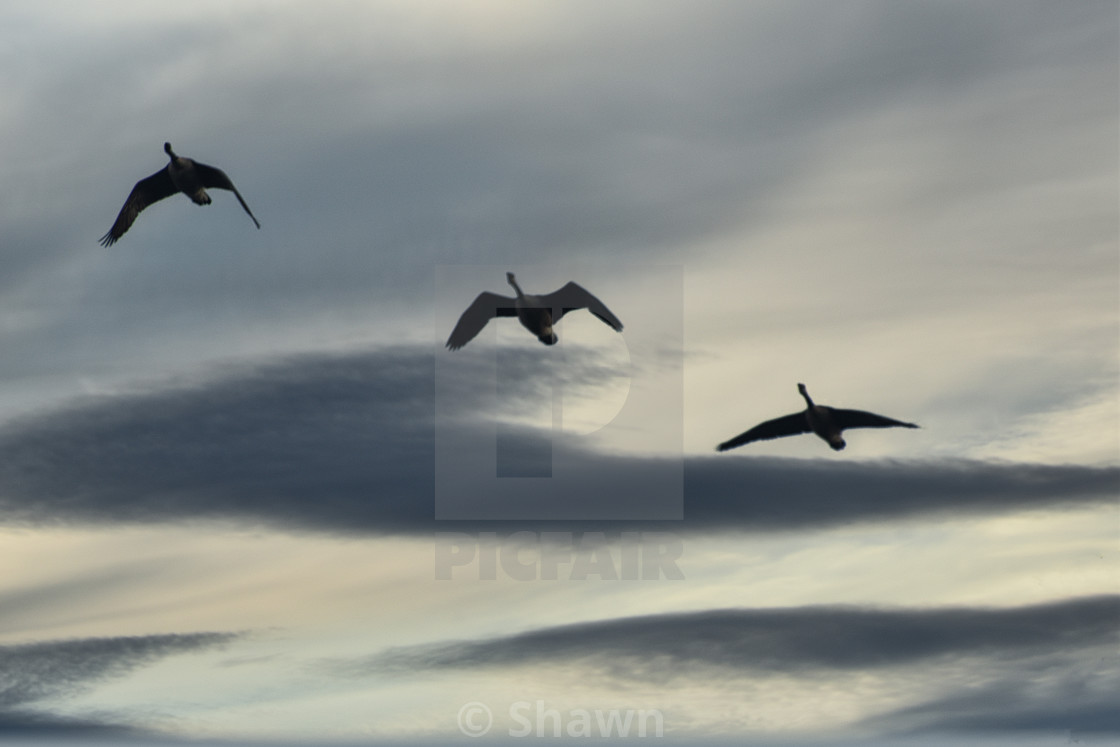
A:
247, 496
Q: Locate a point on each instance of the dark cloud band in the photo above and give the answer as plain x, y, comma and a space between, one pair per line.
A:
344, 443
34, 674
783, 639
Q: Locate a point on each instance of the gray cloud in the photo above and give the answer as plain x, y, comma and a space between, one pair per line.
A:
1009, 707
1079, 700
34, 674
17, 723
660, 647
623, 129
1040, 668
344, 443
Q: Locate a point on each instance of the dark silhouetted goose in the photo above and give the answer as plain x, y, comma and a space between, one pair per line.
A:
180, 175
826, 422
537, 314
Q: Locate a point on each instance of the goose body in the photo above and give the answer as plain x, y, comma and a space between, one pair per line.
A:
826, 422
180, 175
538, 314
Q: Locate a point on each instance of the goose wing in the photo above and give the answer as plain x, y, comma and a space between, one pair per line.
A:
151, 189
574, 296
787, 425
485, 307
215, 178
860, 419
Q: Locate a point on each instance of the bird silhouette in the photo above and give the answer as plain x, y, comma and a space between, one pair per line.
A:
826, 422
538, 314
180, 175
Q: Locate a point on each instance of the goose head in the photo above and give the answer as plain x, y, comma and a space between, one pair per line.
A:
168, 151
513, 281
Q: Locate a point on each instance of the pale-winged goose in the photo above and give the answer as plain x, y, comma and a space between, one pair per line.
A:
537, 314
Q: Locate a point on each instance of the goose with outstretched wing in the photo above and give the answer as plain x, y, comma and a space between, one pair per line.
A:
538, 314
826, 422
180, 175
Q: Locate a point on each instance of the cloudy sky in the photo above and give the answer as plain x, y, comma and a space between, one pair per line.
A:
246, 494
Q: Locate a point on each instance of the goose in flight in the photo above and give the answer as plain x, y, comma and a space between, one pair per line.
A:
537, 314
826, 422
180, 175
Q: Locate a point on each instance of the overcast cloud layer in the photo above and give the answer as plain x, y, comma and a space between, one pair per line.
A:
912, 207
345, 443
